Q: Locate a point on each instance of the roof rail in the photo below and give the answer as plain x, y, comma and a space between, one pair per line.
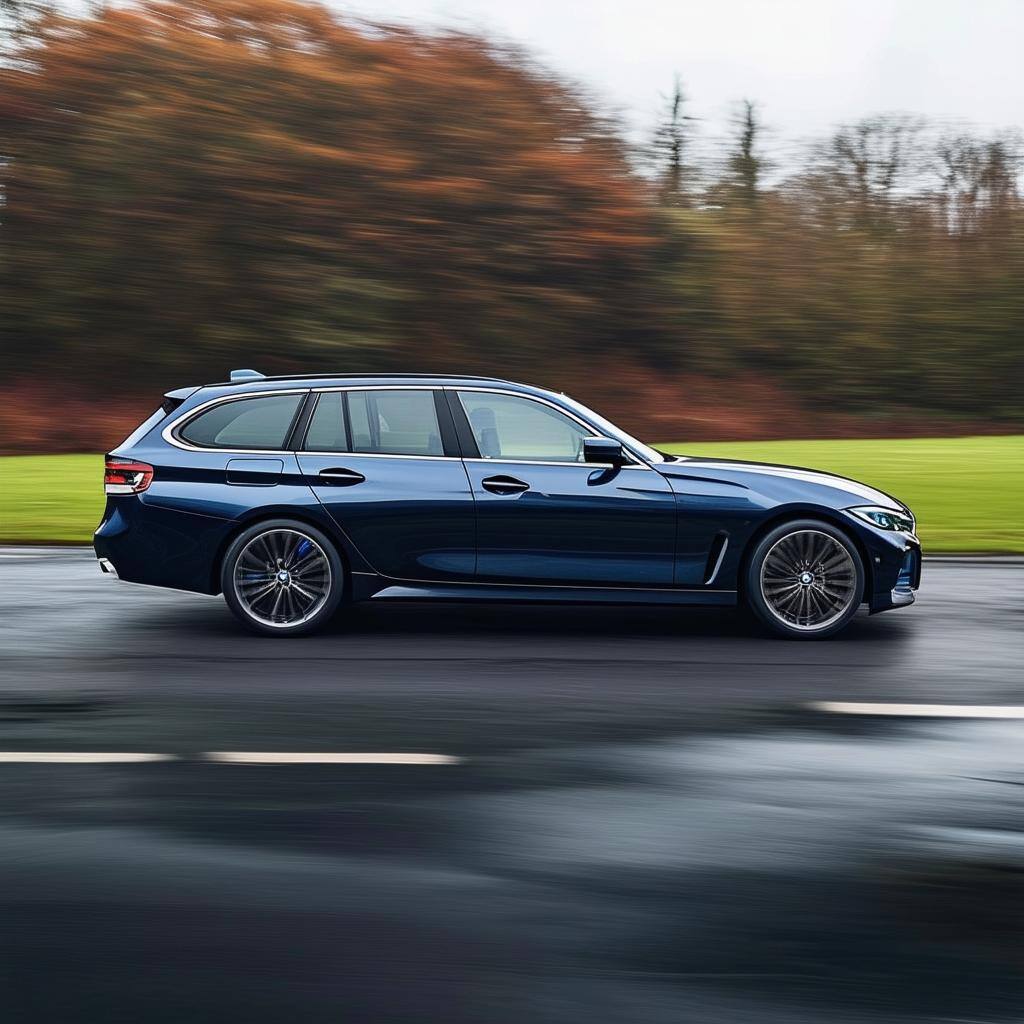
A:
240, 376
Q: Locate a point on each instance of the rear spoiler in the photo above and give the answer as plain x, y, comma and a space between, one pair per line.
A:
174, 398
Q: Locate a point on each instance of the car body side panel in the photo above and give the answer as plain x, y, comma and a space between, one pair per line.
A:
410, 518
576, 524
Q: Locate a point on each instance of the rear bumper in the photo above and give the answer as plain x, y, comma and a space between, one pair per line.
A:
107, 567
140, 543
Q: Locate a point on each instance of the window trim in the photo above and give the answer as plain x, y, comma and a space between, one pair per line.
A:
169, 431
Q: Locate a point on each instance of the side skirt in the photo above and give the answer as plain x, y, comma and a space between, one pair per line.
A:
377, 588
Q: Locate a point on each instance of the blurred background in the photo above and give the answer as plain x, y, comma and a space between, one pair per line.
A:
790, 231
191, 187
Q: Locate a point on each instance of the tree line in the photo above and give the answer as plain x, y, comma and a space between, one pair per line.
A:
188, 186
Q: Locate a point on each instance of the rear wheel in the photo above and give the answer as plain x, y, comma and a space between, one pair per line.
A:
805, 580
282, 578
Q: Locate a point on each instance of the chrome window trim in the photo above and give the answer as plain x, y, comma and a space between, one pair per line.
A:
594, 432
377, 455
169, 435
376, 387
538, 462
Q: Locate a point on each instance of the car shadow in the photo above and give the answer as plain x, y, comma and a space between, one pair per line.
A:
413, 619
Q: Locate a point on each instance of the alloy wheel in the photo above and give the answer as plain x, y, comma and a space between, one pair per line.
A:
808, 580
282, 578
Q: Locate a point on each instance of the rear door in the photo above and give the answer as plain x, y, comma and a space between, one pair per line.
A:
384, 461
544, 516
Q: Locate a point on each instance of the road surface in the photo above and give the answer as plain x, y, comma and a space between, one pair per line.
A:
611, 814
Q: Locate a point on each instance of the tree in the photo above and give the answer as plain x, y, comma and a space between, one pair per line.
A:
745, 165
190, 181
671, 142
865, 165
979, 178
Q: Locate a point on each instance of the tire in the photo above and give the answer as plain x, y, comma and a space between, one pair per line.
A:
805, 580
281, 577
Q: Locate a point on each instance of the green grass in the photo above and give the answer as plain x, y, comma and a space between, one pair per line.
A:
967, 492
50, 499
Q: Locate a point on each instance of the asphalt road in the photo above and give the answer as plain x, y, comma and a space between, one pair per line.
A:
647, 823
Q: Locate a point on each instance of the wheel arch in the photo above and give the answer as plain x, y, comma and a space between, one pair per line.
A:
299, 516
791, 514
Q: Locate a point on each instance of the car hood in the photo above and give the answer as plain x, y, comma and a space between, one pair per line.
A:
781, 483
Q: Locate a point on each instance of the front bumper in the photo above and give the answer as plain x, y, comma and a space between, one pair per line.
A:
893, 565
896, 573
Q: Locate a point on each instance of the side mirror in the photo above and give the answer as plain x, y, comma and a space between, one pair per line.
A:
603, 449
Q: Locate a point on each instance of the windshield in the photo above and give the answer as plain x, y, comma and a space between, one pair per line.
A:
646, 452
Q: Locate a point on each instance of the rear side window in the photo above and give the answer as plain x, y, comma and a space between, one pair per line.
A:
260, 422
400, 422
394, 423
327, 431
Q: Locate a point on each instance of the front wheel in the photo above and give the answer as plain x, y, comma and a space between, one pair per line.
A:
805, 580
282, 578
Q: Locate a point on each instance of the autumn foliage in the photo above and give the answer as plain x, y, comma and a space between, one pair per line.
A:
189, 186
193, 184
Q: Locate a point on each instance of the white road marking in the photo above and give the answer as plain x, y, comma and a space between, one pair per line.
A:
77, 757
348, 757
921, 710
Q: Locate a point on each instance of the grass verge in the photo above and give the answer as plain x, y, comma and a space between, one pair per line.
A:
967, 492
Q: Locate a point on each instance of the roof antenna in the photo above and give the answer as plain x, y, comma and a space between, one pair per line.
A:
237, 375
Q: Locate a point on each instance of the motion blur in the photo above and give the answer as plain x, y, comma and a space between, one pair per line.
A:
497, 812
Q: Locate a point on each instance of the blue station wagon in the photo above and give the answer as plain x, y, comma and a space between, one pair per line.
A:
292, 496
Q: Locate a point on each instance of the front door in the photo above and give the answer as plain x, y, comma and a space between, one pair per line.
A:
544, 516
385, 464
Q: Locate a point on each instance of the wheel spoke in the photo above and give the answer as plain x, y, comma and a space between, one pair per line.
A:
313, 558
255, 595
307, 594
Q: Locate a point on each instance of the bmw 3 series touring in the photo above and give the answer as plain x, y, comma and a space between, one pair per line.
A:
292, 496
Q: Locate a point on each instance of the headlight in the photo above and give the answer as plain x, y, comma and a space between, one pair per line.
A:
885, 518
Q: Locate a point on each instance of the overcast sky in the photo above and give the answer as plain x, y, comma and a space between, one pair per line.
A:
809, 63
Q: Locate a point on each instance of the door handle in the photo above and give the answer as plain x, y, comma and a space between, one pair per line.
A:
504, 485
342, 476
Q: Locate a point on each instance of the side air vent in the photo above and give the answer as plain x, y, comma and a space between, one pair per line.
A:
716, 555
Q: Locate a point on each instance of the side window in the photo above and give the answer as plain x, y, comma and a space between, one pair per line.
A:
507, 427
327, 431
400, 422
259, 422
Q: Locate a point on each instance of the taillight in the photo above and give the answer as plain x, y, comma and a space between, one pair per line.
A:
126, 476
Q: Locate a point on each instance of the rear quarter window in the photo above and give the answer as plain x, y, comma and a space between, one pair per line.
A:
261, 422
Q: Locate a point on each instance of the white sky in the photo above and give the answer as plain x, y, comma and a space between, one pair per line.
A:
809, 63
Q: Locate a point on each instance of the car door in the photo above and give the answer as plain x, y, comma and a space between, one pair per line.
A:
385, 463
543, 515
